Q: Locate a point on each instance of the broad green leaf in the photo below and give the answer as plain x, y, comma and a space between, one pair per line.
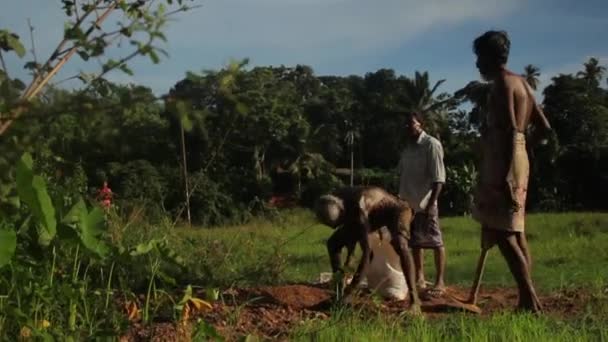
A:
144, 248
10, 42
48, 228
91, 227
8, 244
32, 191
74, 214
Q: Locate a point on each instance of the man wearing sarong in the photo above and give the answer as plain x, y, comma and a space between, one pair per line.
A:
421, 177
500, 195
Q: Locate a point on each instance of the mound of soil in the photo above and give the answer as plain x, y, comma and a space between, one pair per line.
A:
272, 312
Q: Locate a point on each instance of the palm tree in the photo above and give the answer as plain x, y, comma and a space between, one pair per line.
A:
420, 97
531, 74
477, 93
593, 72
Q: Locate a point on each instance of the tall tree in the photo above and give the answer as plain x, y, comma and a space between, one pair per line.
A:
476, 93
531, 74
421, 97
593, 72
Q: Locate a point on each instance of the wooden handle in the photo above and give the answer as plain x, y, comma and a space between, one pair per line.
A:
478, 274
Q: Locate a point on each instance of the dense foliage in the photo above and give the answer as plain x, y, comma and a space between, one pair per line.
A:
253, 133
231, 143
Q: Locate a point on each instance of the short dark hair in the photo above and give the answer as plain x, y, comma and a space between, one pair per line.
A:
493, 44
415, 115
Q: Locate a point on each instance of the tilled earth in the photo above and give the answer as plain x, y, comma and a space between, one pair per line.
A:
272, 312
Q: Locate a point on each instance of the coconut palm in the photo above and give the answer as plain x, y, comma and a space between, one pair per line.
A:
593, 72
420, 97
531, 74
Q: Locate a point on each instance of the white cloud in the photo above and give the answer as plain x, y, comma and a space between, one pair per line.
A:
313, 32
324, 28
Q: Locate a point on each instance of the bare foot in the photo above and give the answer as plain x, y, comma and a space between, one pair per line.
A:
422, 284
531, 305
436, 291
415, 310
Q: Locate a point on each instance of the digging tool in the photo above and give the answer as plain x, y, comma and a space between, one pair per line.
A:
451, 302
478, 273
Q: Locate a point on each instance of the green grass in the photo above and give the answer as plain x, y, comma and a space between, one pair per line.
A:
568, 249
348, 326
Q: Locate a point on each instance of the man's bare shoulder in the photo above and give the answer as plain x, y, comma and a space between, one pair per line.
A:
514, 82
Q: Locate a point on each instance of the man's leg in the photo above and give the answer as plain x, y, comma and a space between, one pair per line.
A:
523, 244
417, 239
440, 268
400, 244
509, 247
419, 264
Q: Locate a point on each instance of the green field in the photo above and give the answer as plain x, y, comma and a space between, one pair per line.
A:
82, 298
569, 252
567, 249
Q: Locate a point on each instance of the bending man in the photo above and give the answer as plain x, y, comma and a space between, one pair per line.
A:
355, 212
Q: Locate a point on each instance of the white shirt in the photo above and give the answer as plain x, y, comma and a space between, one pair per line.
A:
420, 165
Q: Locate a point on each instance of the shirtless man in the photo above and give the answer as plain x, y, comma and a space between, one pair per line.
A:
354, 213
500, 197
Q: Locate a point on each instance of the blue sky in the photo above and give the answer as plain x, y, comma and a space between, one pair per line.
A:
342, 37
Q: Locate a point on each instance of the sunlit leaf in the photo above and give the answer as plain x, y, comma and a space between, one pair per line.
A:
10, 42
91, 229
33, 192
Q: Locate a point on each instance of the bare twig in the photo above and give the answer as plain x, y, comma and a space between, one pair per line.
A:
117, 65
66, 79
33, 51
76, 10
3, 65
54, 56
35, 87
204, 169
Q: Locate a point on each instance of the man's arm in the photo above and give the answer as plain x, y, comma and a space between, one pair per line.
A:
437, 171
398, 171
336, 242
517, 117
360, 228
435, 191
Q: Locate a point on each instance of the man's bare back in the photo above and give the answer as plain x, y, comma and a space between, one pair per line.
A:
510, 99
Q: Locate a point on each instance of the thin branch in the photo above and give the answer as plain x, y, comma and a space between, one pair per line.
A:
35, 87
214, 154
76, 10
53, 56
118, 64
60, 64
102, 36
33, 51
182, 9
66, 79
4, 65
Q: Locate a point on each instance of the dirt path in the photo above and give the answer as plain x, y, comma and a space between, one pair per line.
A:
272, 312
